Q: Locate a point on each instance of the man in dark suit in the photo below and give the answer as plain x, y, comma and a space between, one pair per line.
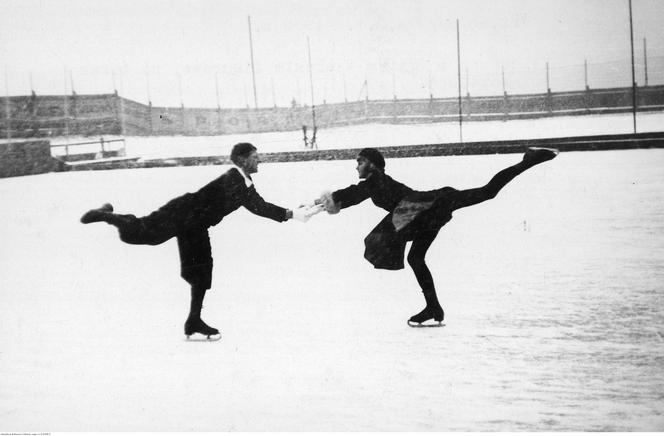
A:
188, 218
415, 216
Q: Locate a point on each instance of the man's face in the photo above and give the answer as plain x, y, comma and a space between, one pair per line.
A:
364, 167
250, 163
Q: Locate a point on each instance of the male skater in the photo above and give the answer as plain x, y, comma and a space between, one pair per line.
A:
188, 218
415, 216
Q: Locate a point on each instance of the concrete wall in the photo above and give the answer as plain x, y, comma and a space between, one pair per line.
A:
27, 157
56, 115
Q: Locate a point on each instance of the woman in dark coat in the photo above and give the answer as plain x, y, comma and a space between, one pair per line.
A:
415, 216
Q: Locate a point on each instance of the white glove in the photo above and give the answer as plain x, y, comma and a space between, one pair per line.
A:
328, 203
310, 203
313, 210
301, 214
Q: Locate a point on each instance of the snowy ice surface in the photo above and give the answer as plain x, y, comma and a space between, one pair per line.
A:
380, 135
553, 294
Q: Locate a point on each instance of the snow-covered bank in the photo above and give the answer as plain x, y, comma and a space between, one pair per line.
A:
384, 135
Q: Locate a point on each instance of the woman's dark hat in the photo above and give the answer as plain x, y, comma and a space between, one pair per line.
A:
374, 156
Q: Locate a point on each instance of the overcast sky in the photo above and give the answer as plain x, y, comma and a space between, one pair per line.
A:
173, 50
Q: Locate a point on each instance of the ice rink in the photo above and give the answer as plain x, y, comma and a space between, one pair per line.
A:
553, 294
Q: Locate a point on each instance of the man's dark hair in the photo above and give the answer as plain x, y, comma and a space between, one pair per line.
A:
374, 156
242, 149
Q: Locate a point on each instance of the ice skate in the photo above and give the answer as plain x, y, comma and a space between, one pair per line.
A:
537, 155
96, 215
196, 325
435, 313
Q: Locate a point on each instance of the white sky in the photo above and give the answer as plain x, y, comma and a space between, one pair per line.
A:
407, 48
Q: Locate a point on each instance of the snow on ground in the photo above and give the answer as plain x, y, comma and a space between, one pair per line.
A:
553, 295
379, 135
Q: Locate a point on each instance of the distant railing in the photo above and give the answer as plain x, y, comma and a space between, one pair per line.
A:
100, 152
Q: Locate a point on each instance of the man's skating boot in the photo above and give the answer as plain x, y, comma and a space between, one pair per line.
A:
196, 325
97, 215
431, 311
537, 155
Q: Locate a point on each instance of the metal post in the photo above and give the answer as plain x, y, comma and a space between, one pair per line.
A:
467, 81
645, 60
503, 73
122, 113
430, 90
7, 107
147, 85
66, 115
345, 97
631, 38
216, 90
253, 71
459, 80
180, 90
311, 81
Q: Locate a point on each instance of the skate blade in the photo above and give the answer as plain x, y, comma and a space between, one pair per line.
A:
553, 151
428, 325
198, 337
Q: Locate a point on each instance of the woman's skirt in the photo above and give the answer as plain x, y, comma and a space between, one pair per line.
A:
421, 214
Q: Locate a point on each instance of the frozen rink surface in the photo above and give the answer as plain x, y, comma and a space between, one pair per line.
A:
553, 294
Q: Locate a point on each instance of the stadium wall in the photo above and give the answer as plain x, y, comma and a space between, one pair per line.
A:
27, 157
110, 114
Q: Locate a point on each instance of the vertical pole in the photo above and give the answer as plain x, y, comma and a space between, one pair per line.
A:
7, 107
147, 85
645, 60
459, 80
251, 53
503, 73
311, 81
66, 110
182, 117
467, 80
585, 72
180, 90
216, 93
345, 97
216, 90
122, 114
430, 90
631, 38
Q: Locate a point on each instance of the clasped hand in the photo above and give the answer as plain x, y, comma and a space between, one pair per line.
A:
305, 212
